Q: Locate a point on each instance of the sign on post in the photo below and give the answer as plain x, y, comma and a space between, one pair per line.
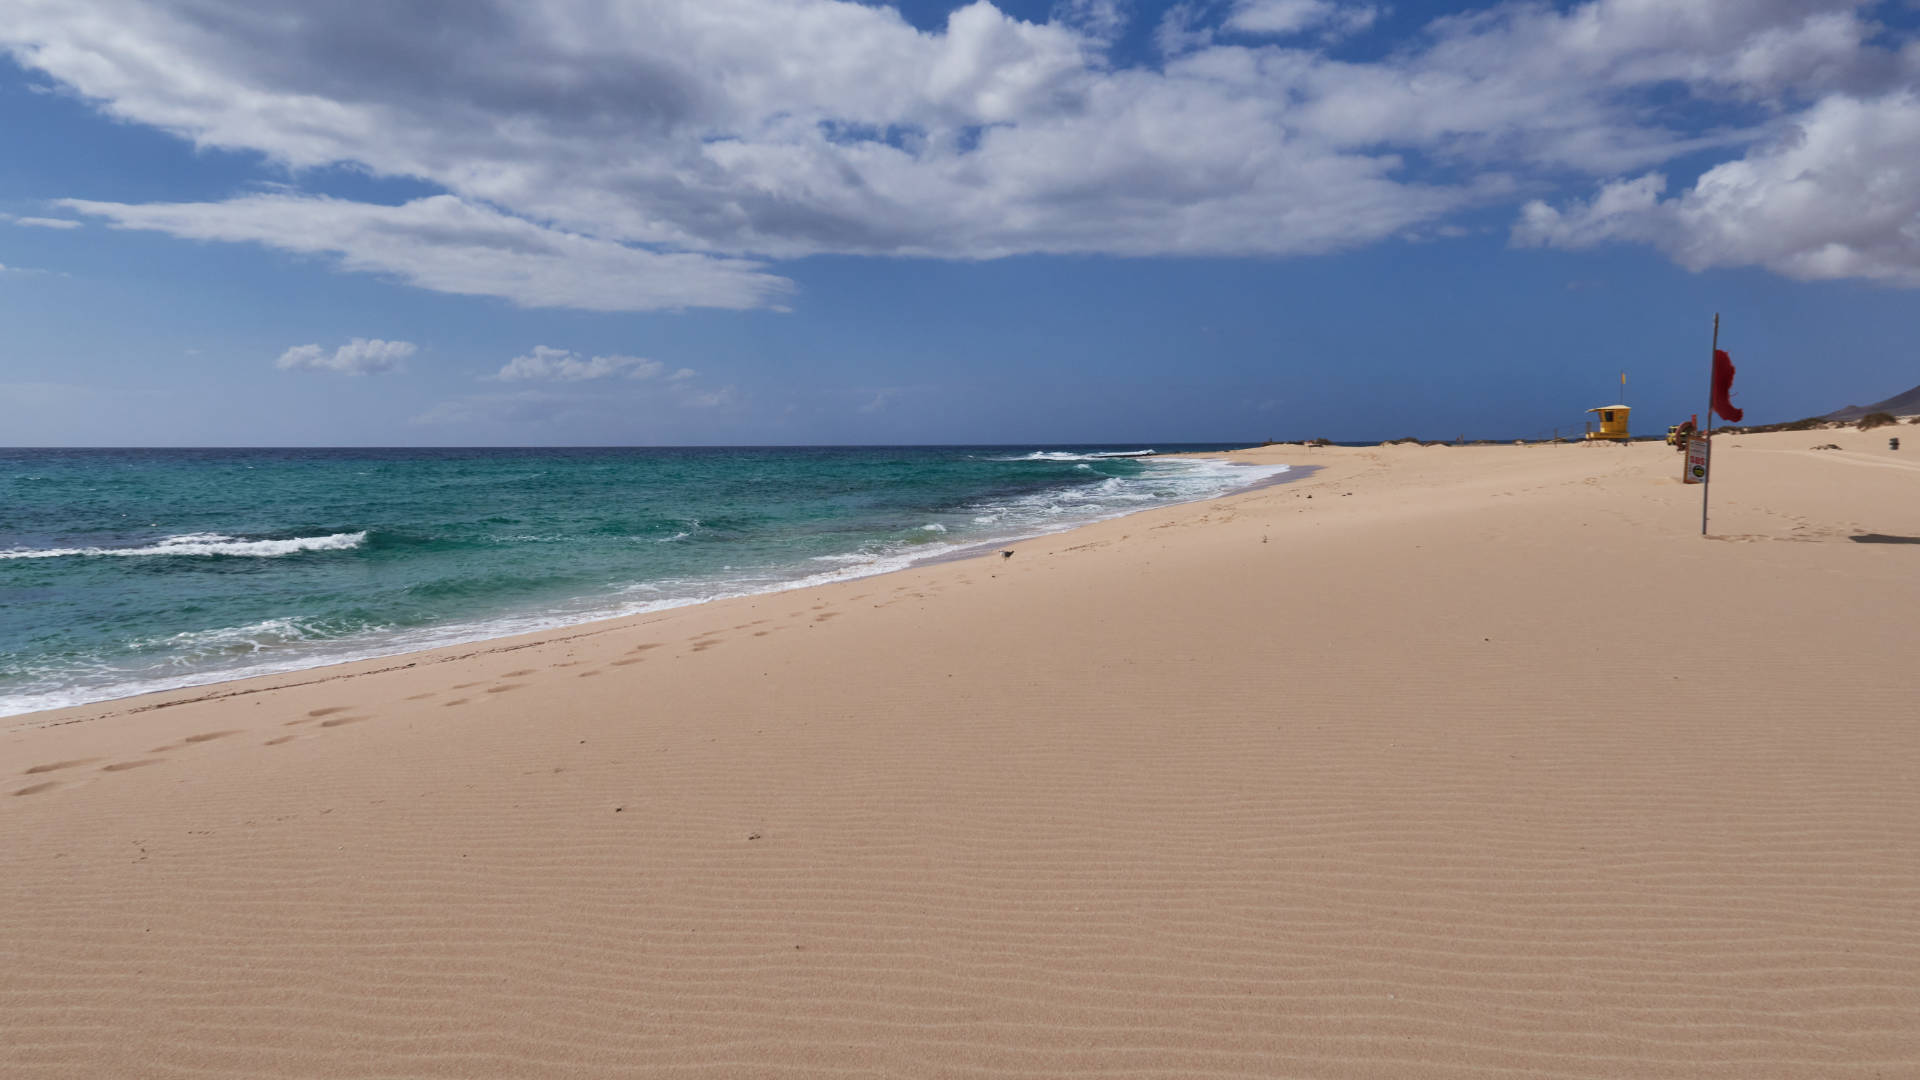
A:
1699, 450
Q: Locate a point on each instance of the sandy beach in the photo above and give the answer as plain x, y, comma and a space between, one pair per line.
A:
1439, 762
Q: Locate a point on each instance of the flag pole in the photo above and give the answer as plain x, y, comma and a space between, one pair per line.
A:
1707, 481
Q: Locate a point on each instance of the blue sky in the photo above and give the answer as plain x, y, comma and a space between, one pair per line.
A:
272, 222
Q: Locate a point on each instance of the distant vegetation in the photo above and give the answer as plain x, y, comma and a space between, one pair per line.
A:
1879, 419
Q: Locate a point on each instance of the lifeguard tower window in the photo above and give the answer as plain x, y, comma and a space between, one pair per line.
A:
1607, 416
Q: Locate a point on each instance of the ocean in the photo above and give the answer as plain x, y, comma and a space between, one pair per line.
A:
128, 571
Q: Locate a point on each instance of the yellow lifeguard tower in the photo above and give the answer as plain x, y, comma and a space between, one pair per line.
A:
1613, 423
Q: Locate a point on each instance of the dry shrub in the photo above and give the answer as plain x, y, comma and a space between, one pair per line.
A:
1874, 420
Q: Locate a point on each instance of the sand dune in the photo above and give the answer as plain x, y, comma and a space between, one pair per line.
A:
1441, 762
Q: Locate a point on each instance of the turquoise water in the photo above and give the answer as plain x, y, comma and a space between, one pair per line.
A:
125, 571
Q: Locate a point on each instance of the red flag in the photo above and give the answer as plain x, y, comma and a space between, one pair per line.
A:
1723, 386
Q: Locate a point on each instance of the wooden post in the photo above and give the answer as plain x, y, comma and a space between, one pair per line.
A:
1708, 482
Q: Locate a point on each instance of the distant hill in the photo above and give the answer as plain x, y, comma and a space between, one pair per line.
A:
1899, 405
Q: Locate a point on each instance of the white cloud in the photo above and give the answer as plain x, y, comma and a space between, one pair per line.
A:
448, 245
563, 365
1619, 208
361, 356
46, 223
1099, 19
614, 157
1837, 195
1285, 17
1182, 28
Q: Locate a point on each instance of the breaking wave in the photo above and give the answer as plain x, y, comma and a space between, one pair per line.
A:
1068, 455
204, 544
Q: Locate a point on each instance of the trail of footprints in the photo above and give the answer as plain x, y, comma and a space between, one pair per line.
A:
337, 716
65, 768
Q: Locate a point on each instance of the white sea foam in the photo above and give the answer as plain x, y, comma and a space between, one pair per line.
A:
204, 544
1067, 455
190, 645
282, 645
935, 527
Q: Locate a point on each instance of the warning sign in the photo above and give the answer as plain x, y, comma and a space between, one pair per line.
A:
1699, 451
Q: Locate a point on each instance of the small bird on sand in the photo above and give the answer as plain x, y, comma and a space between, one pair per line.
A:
1006, 554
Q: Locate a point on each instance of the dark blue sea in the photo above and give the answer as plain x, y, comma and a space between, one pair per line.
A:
126, 571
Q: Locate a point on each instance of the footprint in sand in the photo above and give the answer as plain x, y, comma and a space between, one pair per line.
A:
421, 697
123, 766
55, 766
645, 647
35, 789
329, 710
624, 663
504, 687
339, 720
585, 674
517, 674
280, 740
828, 615
205, 736
208, 736
451, 704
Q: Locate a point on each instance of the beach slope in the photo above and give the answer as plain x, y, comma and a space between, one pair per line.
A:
1439, 762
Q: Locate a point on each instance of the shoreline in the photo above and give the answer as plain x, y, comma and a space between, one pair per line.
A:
1440, 762
474, 645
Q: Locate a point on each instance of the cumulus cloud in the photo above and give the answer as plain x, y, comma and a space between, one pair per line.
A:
46, 223
361, 356
554, 393
1836, 195
613, 157
563, 365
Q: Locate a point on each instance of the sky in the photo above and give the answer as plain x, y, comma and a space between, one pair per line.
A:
726, 222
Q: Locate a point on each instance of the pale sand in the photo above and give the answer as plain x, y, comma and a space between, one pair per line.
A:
1491, 767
